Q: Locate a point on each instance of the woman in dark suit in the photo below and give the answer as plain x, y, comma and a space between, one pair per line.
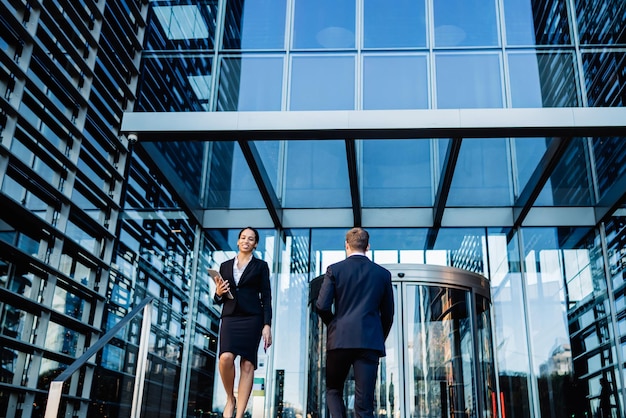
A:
245, 318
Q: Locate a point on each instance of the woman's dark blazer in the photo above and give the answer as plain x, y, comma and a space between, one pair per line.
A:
253, 295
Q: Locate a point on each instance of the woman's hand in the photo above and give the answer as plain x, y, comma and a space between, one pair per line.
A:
222, 287
267, 337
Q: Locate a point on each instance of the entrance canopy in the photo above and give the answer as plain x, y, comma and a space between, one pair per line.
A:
400, 168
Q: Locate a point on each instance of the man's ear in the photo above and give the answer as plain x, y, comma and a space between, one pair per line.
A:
368, 248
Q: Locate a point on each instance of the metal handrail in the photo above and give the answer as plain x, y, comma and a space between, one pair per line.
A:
56, 386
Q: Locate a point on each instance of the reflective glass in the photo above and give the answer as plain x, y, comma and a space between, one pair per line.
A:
395, 82
12, 324
230, 184
407, 243
316, 175
509, 334
601, 23
324, 24
459, 247
570, 182
181, 26
396, 173
567, 315
69, 304
610, 158
486, 358
183, 163
527, 153
388, 388
250, 83
542, 22
395, 24
271, 154
61, 339
322, 83
604, 74
181, 22
482, 174
465, 23
468, 81
440, 351
543, 80
254, 24
175, 83
290, 351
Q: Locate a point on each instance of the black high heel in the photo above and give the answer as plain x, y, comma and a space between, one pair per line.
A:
234, 410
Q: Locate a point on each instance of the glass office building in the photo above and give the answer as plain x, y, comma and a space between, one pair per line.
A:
139, 137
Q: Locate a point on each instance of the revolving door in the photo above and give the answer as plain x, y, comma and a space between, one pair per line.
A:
439, 359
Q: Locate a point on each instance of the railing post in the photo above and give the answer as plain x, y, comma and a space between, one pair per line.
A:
54, 399
56, 386
142, 360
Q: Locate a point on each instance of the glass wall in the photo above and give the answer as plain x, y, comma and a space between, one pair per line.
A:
355, 54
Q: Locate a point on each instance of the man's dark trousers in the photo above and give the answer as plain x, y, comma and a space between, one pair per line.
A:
365, 366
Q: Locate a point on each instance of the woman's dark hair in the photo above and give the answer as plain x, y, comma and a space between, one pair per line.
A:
256, 233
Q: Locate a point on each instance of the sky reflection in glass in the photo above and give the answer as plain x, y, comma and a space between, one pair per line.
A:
482, 176
394, 24
468, 81
465, 23
395, 82
317, 175
322, 83
327, 24
251, 83
396, 173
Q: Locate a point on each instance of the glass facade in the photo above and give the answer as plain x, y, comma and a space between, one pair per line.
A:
92, 220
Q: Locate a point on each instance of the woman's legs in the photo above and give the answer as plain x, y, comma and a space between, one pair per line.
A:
245, 385
227, 372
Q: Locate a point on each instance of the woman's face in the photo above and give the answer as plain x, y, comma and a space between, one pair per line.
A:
247, 241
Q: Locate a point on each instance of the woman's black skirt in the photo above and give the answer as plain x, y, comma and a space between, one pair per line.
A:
241, 336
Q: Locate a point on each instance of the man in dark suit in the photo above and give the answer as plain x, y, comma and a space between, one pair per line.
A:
361, 294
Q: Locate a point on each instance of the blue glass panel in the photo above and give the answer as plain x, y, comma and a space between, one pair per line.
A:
398, 238
394, 24
543, 80
396, 173
181, 27
184, 159
250, 83
610, 157
322, 83
482, 175
465, 23
527, 154
328, 240
468, 81
270, 154
558, 275
601, 22
605, 78
324, 24
231, 184
175, 83
395, 82
536, 23
255, 24
459, 247
570, 182
317, 175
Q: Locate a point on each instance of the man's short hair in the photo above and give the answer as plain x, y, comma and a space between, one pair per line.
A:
358, 239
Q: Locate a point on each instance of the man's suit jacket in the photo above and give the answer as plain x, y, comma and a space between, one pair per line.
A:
253, 293
362, 296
